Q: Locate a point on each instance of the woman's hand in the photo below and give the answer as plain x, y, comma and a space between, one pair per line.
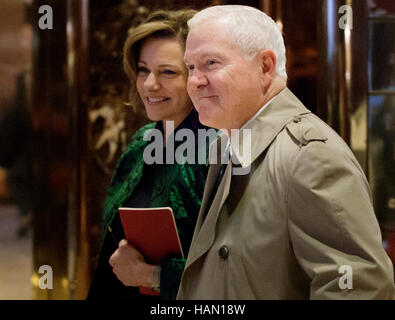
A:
129, 266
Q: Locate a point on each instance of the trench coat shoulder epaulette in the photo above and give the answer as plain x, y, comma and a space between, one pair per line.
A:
305, 129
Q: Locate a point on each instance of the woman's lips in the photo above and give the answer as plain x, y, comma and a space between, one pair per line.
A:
155, 100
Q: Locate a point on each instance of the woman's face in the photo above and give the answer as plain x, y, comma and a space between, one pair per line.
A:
161, 80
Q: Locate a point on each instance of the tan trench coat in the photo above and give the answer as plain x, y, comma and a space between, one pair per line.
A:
299, 226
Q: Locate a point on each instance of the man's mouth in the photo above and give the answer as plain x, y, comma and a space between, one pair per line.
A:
206, 97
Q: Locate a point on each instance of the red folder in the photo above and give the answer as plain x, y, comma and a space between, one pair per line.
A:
153, 232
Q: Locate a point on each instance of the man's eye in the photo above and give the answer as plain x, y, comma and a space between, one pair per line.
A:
142, 70
211, 62
191, 67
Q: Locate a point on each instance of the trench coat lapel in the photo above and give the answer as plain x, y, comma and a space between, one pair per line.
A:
205, 227
210, 184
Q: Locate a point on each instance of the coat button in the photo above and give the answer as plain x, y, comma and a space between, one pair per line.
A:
297, 120
223, 252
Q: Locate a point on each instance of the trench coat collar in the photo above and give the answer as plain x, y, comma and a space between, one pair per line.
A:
280, 111
284, 108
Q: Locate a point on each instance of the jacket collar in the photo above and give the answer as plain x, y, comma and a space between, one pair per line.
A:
191, 122
281, 110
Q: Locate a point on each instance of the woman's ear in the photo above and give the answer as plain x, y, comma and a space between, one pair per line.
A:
267, 62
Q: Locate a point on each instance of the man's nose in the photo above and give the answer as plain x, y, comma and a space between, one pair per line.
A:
151, 82
197, 80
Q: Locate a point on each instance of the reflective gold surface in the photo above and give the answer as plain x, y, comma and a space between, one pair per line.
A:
77, 71
51, 152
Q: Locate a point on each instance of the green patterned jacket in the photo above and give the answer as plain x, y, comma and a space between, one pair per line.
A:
179, 186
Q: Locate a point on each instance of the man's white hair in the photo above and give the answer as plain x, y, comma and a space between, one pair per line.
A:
250, 29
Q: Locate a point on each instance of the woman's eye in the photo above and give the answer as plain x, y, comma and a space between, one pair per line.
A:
190, 67
168, 72
142, 70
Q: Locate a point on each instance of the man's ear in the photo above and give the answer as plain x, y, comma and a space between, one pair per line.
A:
267, 61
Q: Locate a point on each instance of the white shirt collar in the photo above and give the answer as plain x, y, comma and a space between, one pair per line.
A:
257, 114
231, 153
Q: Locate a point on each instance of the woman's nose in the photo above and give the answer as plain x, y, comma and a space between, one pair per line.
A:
151, 82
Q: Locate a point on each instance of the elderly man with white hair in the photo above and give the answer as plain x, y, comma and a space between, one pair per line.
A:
300, 224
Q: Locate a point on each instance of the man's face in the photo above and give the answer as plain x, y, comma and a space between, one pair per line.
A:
224, 86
